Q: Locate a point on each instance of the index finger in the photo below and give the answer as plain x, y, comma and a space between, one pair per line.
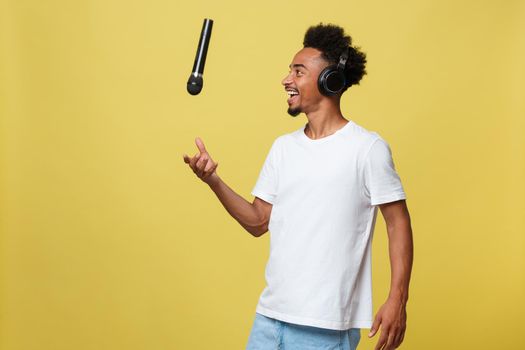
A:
382, 339
390, 345
200, 145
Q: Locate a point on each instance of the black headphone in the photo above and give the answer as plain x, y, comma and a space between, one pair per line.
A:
332, 79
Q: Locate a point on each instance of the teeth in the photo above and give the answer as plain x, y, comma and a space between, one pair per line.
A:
292, 92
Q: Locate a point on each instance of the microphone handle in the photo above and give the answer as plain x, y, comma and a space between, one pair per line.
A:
202, 49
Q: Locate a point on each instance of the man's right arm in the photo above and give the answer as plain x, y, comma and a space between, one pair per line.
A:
254, 217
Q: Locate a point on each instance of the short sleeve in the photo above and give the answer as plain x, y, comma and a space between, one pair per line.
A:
266, 185
382, 183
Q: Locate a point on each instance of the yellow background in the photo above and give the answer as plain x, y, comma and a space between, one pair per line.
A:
109, 241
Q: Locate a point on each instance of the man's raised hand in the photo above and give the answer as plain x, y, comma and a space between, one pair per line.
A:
201, 164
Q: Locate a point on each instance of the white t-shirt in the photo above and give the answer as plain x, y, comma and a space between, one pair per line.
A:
324, 194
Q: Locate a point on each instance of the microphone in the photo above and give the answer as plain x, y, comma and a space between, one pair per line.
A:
195, 80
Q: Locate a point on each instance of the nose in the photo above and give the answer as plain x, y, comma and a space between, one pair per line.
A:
287, 79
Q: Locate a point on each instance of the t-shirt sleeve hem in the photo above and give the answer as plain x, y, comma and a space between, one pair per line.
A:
389, 198
264, 196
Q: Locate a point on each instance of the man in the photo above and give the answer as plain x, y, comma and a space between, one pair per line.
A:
318, 194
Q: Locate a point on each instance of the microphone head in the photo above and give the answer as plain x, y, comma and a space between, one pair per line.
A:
195, 83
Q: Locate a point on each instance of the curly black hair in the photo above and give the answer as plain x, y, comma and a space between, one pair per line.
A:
331, 40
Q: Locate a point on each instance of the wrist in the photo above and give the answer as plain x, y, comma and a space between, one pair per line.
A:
398, 297
212, 180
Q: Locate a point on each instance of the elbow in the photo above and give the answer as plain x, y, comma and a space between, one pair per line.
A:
259, 231
256, 230
261, 219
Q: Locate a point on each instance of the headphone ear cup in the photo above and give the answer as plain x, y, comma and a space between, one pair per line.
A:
331, 81
321, 81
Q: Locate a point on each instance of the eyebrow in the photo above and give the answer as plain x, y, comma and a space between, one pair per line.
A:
297, 65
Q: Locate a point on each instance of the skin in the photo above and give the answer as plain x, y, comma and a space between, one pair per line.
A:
324, 118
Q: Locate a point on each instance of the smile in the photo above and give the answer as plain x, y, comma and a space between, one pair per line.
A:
292, 93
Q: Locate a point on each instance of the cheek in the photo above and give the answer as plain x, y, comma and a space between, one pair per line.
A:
310, 86
312, 91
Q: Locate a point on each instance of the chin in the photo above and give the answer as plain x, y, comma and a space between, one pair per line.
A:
294, 112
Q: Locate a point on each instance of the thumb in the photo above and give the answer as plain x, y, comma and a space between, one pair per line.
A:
375, 327
200, 145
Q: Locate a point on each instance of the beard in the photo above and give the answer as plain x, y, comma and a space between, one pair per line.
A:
294, 112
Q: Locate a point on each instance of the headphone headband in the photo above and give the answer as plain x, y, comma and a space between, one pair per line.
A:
342, 60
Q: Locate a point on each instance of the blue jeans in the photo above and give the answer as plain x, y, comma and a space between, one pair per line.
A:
271, 334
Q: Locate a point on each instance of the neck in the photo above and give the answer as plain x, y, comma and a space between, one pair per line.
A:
324, 121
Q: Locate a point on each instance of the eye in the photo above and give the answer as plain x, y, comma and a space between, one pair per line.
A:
298, 73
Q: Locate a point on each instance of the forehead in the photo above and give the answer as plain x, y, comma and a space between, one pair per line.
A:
309, 57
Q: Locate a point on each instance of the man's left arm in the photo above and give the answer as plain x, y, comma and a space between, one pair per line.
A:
392, 314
